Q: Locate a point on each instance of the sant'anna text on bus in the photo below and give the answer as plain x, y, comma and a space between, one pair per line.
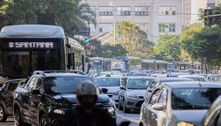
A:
46, 45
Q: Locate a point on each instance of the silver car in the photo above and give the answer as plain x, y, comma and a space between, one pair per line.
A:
179, 104
112, 84
159, 81
131, 96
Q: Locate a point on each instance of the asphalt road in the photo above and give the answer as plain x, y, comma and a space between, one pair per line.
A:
132, 117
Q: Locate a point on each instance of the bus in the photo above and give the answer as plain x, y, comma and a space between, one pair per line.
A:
131, 63
26, 48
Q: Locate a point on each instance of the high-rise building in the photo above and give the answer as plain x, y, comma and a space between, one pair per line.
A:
210, 3
191, 10
217, 2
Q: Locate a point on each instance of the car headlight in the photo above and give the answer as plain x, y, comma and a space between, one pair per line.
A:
111, 110
184, 124
59, 111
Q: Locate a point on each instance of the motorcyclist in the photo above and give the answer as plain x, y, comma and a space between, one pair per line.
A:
87, 114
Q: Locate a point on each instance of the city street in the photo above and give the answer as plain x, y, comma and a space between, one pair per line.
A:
132, 117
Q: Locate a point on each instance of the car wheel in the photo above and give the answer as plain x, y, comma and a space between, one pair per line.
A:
125, 108
18, 118
3, 115
43, 120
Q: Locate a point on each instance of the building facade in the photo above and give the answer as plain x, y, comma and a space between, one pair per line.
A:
155, 17
191, 10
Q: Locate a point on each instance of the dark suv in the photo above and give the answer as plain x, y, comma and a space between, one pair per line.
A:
6, 98
50, 96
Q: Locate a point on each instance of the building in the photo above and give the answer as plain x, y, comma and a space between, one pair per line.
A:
217, 2
210, 3
155, 17
191, 10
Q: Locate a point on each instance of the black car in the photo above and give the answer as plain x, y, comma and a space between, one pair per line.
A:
50, 96
6, 98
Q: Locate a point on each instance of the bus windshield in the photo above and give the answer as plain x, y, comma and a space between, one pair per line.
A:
22, 63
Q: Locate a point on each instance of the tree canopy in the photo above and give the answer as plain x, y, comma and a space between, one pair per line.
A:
206, 44
133, 39
95, 49
69, 14
168, 48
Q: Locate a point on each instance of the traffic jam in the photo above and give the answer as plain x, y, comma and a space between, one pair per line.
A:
184, 100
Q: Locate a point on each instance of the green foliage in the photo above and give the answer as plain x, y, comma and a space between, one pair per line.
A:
168, 48
187, 34
68, 14
206, 44
133, 39
95, 49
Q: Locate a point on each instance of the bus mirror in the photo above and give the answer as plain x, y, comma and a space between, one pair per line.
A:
70, 59
68, 46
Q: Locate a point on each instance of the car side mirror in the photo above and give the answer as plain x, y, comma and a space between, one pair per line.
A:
149, 90
159, 106
122, 88
36, 91
104, 90
22, 83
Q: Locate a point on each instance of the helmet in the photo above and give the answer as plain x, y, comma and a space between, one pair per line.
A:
86, 88
87, 95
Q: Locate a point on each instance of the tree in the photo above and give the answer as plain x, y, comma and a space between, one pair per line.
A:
187, 34
95, 49
133, 39
206, 44
69, 14
168, 48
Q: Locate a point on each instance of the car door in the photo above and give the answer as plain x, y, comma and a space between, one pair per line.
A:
160, 115
150, 113
35, 99
9, 95
25, 96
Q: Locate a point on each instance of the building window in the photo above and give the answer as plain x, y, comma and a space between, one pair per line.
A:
167, 28
141, 11
106, 11
123, 11
167, 11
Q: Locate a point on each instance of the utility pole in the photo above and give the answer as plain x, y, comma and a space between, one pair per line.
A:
211, 17
115, 32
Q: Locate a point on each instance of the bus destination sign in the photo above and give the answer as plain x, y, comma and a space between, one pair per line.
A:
33, 45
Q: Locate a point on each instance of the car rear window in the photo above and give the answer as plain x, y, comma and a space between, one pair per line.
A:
194, 98
108, 82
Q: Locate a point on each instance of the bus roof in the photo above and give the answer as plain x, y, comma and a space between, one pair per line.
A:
32, 31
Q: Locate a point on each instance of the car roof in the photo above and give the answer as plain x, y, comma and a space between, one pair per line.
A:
192, 84
140, 77
194, 75
172, 78
63, 74
109, 77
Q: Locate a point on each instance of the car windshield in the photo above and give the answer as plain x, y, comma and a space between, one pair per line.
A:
62, 85
194, 98
138, 83
108, 82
